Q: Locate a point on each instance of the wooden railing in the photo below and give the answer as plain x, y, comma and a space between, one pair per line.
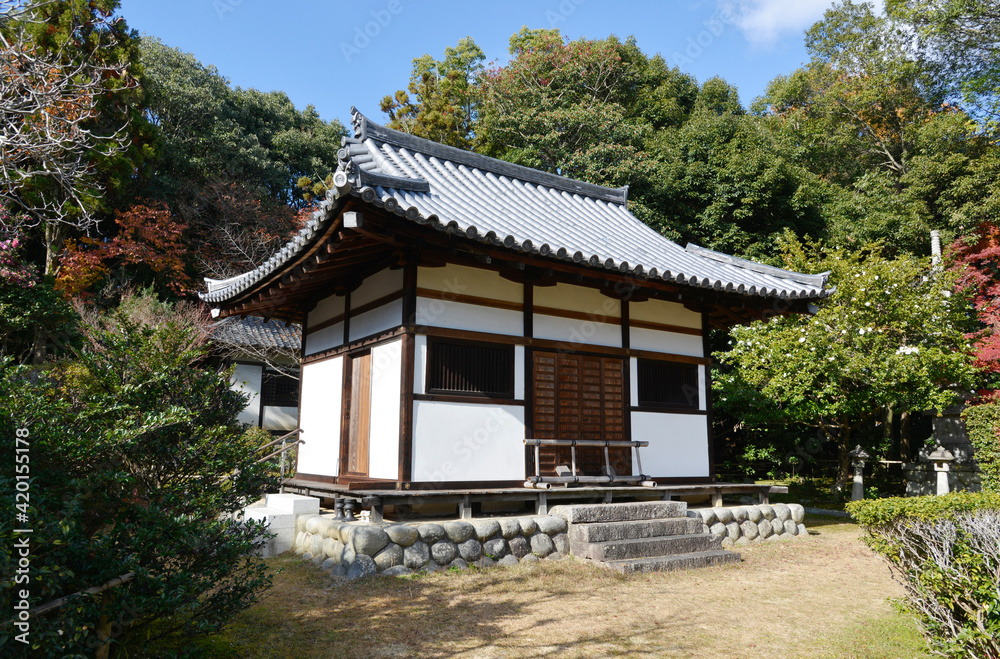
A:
283, 451
543, 482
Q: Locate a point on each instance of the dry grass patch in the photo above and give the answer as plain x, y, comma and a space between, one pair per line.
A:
821, 596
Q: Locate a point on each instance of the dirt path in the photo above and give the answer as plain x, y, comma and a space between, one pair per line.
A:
821, 596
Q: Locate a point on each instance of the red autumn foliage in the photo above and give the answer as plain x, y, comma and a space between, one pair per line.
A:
149, 238
979, 260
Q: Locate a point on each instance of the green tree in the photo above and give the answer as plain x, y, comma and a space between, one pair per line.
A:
443, 106
138, 467
890, 336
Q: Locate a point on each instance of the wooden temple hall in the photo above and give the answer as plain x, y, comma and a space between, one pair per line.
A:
474, 329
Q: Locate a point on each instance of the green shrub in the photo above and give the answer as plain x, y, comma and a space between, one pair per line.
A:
945, 551
137, 466
983, 425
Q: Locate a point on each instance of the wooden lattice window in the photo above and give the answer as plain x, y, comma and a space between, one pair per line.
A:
472, 369
279, 390
666, 384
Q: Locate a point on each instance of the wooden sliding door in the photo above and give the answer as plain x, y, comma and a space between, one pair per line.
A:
579, 397
359, 416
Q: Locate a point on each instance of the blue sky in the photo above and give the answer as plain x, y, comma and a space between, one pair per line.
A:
334, 53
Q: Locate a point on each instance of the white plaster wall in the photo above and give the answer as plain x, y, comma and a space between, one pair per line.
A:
280, 418
678, 444
457, 315
324, 339
668, 342
383, 443
661, 311
326, 309
382, 318
519, 367
578, 298
420, 364
702, 382
465, 280
319, 416
577, 332
247, 380
380, 284
467, 442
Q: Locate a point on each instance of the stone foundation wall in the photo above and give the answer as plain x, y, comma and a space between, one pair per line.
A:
741, 525
358, 549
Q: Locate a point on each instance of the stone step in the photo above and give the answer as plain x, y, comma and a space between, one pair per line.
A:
675, 562
646, 528
620, 512
616, 550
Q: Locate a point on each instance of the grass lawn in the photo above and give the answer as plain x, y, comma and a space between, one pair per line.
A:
821, 596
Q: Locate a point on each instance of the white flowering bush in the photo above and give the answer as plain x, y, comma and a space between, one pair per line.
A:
887, 337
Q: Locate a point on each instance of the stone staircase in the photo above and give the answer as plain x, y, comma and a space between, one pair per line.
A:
646, 536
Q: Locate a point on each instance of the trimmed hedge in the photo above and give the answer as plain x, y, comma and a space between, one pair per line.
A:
945, 551
983, 425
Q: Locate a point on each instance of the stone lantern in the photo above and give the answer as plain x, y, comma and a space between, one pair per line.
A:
858, 457
942, 459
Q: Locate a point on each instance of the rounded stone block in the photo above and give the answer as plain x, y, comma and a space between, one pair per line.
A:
798, 512
733, 530
718, 530
741, 541
542, 545
397, 571
530, 558
519, 546
431, 533
485, 528
739, 514
416, 555
485, 562
369, 540
707, 516
346, 532
402, 534
767, 512
471, 550
555, 556
390, 556
764, 526
348, 556
509, 527
782, 511
328, 564
302, 520
724, 515
307, 556
458, 564
750, 530
333, 549
550, 525
528, 526
777, 526
363, 566
727, 543
444, 552
561, 542
802, 530
495, 548
507, 561
458, 531
791, 528
316, 545
337, 571
753, 514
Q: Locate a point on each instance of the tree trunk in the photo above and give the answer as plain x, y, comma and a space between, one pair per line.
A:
55, 238
843, 448
905, 450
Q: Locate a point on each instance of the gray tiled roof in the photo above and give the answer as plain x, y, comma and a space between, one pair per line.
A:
521, 209
253, 331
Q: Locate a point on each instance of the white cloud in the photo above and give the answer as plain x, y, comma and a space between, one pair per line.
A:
763, 22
